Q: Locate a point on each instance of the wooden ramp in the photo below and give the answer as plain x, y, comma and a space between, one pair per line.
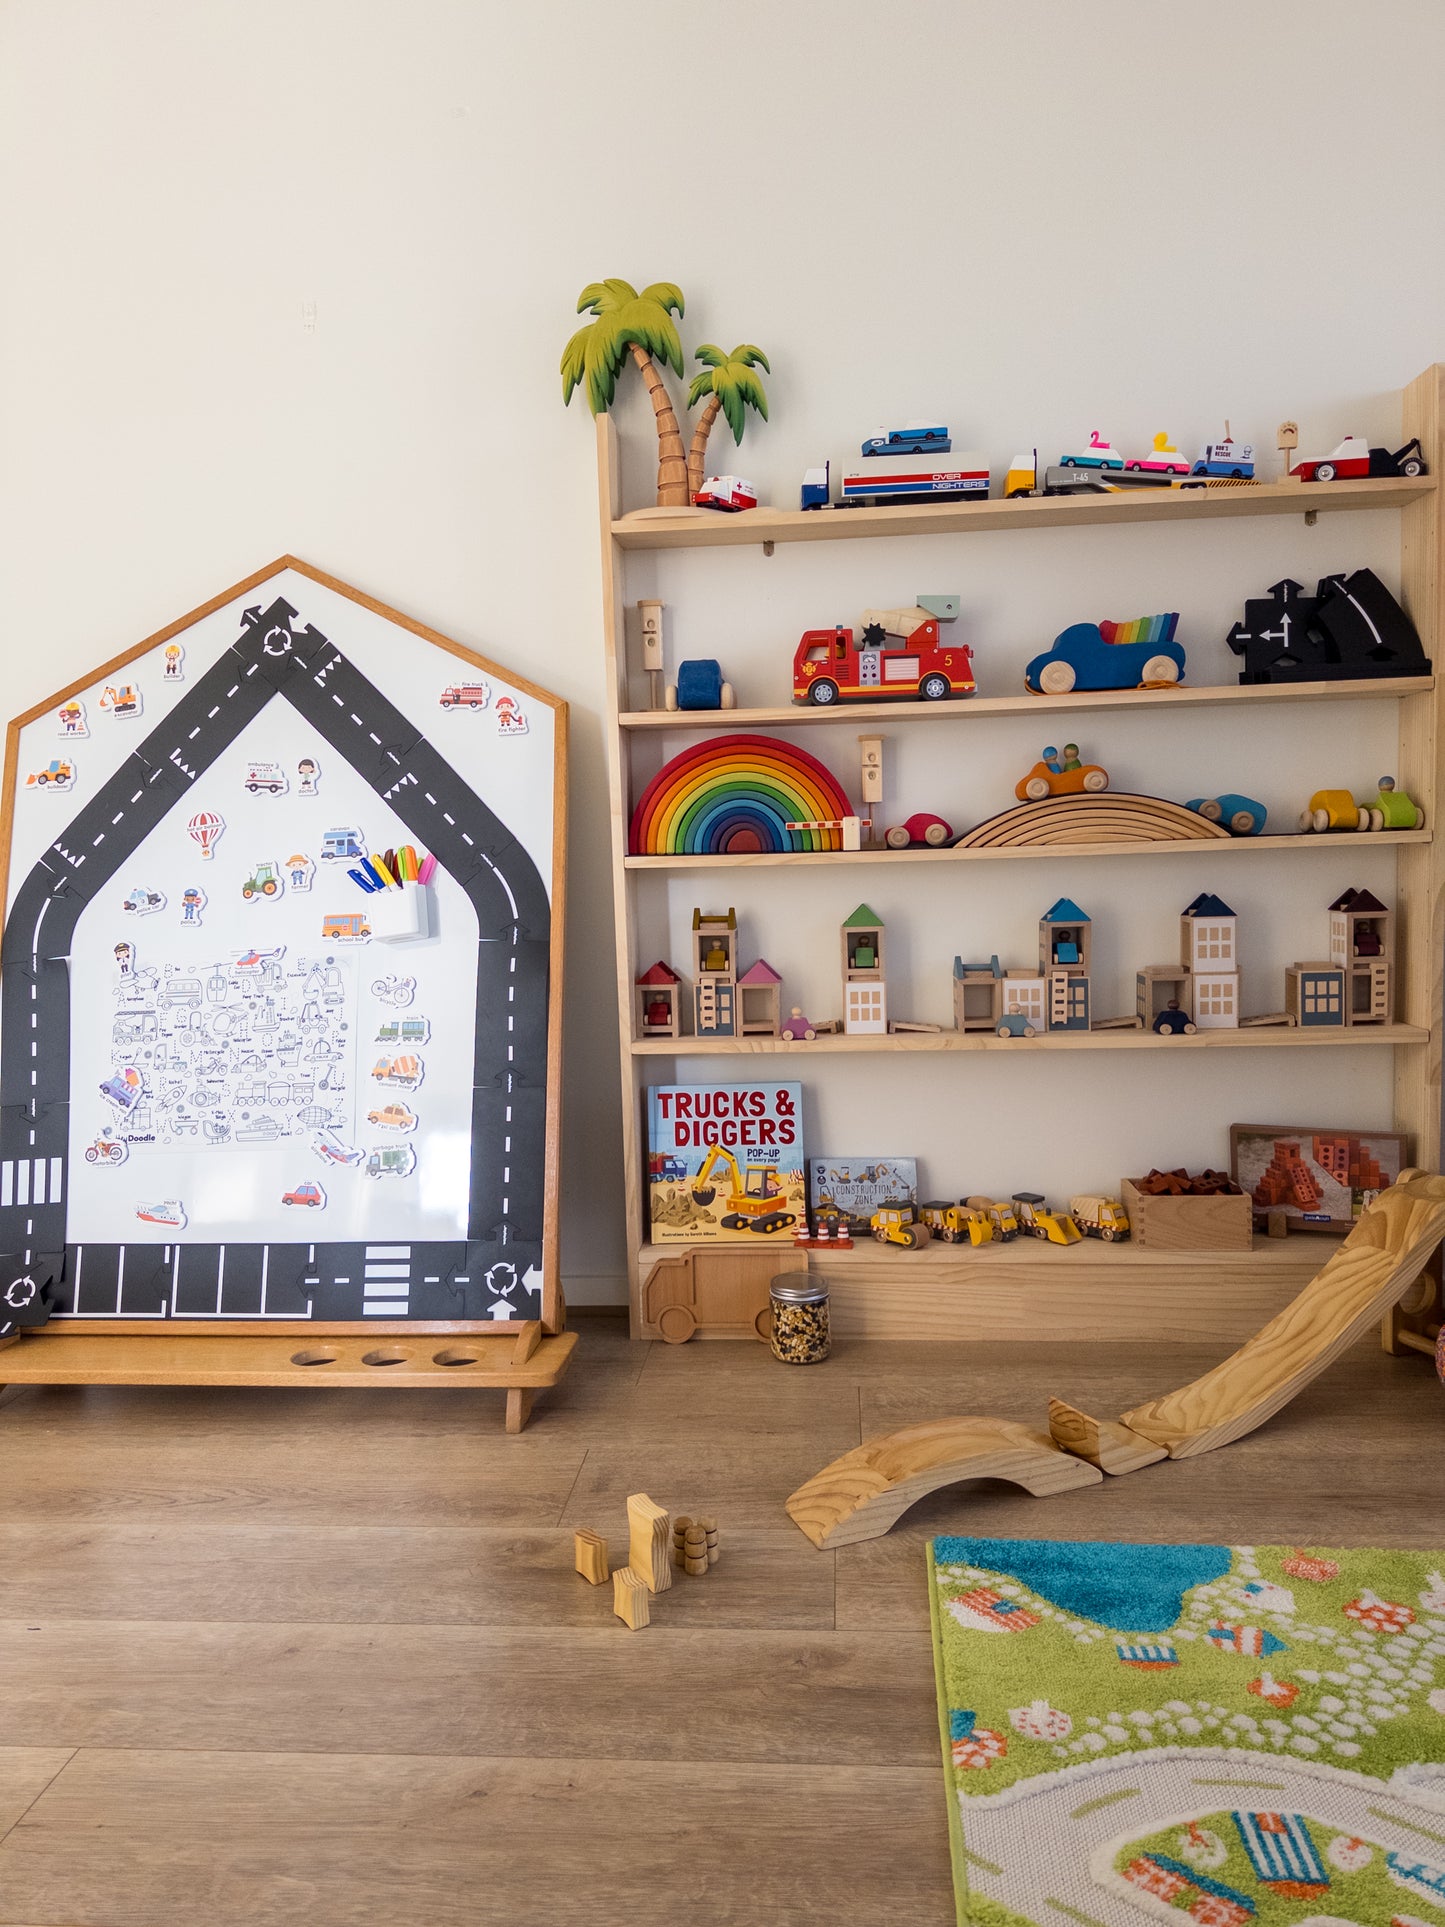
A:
1111, 816
862, 1494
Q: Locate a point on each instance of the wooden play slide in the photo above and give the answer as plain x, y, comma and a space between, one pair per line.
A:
862, 1494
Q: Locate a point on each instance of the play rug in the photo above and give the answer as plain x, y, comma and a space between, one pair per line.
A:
1229, 1736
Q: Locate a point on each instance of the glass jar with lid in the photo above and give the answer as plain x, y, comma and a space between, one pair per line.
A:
800, 1334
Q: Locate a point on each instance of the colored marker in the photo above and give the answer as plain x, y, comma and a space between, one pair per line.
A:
428, 867
409, 866
365, 881
376, 882
388, 857
383, 874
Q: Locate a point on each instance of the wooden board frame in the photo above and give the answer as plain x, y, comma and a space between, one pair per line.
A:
552, 1303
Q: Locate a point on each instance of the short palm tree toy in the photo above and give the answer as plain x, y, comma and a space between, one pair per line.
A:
731, 387
629, 324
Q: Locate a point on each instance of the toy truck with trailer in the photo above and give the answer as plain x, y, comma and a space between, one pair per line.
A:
882, 479
895, 654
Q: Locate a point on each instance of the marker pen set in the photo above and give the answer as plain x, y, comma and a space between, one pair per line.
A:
396, 880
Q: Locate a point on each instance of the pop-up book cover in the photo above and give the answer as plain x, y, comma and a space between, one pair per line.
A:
279, 981
724, 1161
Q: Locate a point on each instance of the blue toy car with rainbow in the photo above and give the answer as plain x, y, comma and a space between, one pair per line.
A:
1110, 655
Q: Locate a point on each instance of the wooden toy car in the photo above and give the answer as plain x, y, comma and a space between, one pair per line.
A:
1163, 459
1099, 1217
1354, 458
1000, 1215
729, 492
1099, 454
1226, 458
817, 489
1174, 1022
1053, 775
922, 827
1109, 655
898, 654
929, 438
1013, 1023
899, 1224
1038, 1217
1240, 815
1334, 810
1394, 808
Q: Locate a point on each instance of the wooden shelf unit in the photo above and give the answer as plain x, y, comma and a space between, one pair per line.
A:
887, 1294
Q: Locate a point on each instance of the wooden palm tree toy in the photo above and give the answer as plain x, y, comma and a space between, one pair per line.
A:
639, 326
862, 1494
731, 388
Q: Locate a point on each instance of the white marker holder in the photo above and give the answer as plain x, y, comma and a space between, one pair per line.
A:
402, 915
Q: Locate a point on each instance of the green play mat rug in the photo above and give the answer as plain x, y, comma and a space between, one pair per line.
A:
1230, 1736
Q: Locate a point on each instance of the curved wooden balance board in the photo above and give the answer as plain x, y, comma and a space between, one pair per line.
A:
864, 1493
1108, 817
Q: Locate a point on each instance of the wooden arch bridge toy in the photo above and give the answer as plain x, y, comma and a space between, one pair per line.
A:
864, 1493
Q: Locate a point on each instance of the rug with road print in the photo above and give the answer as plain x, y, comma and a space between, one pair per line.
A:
1229, 1736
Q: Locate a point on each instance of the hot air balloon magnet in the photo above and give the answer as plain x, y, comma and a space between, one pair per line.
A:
205, 830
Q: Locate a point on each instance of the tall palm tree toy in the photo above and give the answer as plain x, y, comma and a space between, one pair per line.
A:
731, 386
639, 325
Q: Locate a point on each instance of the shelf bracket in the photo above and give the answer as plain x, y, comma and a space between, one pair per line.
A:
1311, 517
767, 548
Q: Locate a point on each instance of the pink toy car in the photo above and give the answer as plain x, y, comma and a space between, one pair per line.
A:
729, 492
797, 1027
1162, 459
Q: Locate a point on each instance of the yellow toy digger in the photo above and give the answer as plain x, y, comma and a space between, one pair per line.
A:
1035, 1216
957, 1223
999, 1214
755, 1199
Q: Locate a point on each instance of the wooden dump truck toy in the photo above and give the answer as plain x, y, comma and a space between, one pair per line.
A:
1036, 1217
1099, 1217
899, 1224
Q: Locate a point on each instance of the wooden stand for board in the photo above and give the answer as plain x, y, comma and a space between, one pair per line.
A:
521, 1357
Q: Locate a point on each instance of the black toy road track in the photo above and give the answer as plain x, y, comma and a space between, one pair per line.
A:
39, 1272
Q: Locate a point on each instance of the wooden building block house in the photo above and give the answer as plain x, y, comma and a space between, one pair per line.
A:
977, 995
1209, 951
715, 963
760, 1001
659, 1013
1156, 986
1362, 944
1064, 939
865, 997
1314, 995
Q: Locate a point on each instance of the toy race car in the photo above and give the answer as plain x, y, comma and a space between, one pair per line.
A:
928, 438
1109, 655
729, 492
1355, 458
1053, 775
1240, 815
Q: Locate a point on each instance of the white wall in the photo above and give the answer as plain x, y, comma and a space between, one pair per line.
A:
1035, 219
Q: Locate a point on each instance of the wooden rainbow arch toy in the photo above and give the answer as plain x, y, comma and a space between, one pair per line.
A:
734, 795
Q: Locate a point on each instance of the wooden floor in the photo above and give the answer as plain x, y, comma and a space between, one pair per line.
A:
311, 1658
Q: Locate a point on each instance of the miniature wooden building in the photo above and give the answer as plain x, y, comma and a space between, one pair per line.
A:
1314, 995
977, 995
658, 1010
1064, 937
759, 1006
1025, 994
1362, 944
715, 961
865, 1001
1156, 986
1209, 951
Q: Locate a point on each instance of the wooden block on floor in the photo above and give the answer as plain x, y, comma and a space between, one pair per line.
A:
590, 1554
630, 1598
649, 1551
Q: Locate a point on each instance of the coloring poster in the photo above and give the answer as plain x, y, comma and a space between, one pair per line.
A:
235, 1082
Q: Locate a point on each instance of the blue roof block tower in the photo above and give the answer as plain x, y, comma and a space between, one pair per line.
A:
1209, 953
1064, 938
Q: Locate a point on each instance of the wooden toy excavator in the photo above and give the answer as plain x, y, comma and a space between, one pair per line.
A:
864, 1493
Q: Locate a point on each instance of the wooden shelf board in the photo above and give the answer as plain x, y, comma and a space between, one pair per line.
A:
1234, 845
1190, 696
689, 530
1029, 1290
1282, 1038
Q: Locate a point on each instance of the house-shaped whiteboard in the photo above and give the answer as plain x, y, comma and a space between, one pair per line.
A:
235, 1084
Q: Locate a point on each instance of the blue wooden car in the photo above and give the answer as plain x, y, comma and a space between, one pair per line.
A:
1109, 655
1240, 815
925, 438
